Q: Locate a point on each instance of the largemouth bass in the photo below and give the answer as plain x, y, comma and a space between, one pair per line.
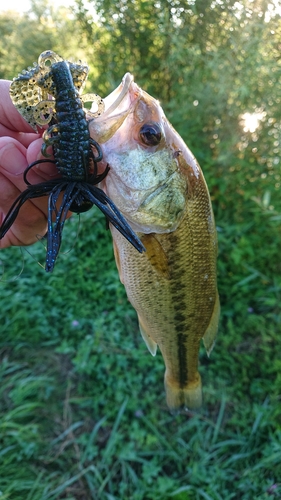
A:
159, 187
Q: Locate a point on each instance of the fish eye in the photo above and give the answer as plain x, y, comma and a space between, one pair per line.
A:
150, 134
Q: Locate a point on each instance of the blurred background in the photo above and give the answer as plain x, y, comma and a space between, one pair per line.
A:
82, 403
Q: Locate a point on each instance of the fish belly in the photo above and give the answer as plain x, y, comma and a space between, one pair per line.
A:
173, 288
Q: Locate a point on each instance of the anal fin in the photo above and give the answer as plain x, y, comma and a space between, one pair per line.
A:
150, 344
211, 332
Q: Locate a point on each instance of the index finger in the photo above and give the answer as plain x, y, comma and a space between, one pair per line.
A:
12, 124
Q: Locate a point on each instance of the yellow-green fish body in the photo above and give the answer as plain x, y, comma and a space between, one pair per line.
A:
157, 184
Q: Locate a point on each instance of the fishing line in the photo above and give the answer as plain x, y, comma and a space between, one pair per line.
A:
32, 256
2, 265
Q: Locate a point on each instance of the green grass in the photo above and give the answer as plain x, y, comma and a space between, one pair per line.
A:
82, 403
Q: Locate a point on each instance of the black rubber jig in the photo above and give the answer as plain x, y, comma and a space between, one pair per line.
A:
73, 148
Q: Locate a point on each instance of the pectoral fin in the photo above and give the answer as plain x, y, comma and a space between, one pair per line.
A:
211, 332
156, 255
150, 344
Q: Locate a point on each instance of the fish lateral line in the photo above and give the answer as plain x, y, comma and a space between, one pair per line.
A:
173, 286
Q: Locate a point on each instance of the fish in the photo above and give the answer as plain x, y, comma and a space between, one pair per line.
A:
159, 187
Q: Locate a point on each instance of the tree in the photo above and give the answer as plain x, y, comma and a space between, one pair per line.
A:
24, 36
209, 62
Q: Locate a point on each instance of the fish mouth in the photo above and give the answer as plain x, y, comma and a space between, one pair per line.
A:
114, 100
118, 105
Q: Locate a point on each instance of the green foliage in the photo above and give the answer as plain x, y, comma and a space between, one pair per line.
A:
82, 404
24, 36
83, 411
209, 63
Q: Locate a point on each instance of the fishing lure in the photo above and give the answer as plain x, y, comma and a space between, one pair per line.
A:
49, 93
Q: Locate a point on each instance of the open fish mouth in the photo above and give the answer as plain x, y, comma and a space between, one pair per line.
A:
115, 98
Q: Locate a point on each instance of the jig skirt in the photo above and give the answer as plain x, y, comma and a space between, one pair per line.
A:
50, 94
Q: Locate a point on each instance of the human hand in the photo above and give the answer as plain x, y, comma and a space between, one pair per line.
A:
19, 147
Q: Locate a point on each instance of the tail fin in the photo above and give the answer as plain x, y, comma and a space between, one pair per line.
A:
189, 396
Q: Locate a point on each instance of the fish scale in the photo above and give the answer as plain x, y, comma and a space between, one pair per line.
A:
171, 303
158, 185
